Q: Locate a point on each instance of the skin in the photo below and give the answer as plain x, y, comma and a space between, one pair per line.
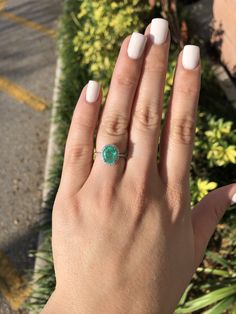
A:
124, 237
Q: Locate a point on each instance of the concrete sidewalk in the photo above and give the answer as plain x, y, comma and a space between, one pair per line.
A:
27, 70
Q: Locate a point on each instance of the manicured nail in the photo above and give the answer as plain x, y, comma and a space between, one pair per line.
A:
159, 31
92, 91
191, 56
136, 45
233, 200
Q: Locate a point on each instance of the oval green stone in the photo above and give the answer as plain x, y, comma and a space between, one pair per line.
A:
110, 154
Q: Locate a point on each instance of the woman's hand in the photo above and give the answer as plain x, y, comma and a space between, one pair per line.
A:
124, 237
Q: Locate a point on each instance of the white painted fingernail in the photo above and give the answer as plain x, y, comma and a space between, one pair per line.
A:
92, 91
159, 31
233, 200
190, 57
136, 45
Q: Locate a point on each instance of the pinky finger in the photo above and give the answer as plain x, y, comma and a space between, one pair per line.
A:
78, 156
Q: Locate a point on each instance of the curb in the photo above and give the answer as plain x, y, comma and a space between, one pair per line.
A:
52, 149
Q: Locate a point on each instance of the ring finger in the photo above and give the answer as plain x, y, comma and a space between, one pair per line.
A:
114, 124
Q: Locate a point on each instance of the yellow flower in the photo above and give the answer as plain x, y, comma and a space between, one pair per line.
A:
114, 5
203, 187
222, 156
226, 127
230, 154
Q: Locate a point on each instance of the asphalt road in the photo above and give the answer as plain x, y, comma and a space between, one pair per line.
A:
27, 72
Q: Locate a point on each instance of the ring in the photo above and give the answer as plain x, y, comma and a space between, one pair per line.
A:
110, 154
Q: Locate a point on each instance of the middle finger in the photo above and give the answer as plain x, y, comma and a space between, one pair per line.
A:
147, 109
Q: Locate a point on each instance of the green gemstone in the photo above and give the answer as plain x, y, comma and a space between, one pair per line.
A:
110, 154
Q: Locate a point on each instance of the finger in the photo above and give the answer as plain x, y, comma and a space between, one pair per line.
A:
79, 146
147, 109
113, 128
206, 215
177, 138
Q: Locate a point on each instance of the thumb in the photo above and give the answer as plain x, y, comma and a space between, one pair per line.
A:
206, 215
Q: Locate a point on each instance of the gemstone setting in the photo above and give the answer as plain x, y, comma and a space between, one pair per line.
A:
110, 154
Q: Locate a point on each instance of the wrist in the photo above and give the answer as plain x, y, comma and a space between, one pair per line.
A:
62, 303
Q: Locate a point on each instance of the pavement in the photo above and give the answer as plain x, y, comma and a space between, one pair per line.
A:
27, 73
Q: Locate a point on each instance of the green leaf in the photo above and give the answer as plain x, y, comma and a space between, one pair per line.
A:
185, 295
222, 306
213, 271
215, 257
207, 299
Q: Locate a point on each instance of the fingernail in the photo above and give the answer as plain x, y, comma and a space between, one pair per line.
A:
159, 31
233, 200
136, 45
92, 91
191, 56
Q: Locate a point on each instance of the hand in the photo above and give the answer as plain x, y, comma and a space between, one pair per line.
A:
124, 237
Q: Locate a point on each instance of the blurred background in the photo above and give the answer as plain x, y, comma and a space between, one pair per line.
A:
48, 52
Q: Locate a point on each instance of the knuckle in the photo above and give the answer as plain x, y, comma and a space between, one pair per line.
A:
85, 123
188, 90
115, 124
156, 67
182, 130
78, 152
146, 117
126, 78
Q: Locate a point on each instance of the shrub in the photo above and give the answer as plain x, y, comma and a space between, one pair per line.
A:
102, 26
